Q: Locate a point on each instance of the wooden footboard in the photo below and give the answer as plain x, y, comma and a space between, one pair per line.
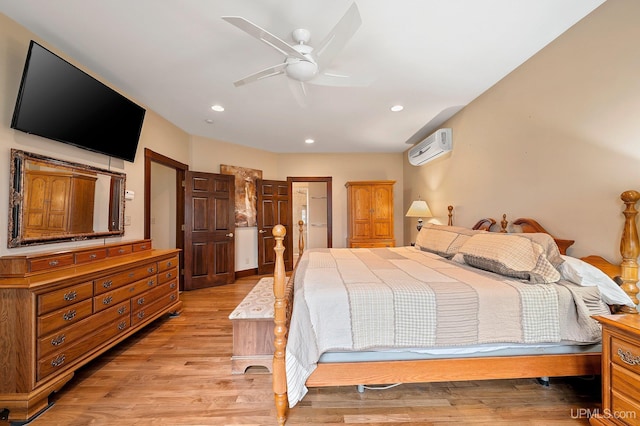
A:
336, 374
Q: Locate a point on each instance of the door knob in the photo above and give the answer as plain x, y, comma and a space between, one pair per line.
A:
262, 231
230, 235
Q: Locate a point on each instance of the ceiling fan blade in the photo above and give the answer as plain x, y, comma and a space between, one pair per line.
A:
267, 72
299, 92
338, 80
335, 41
264, 36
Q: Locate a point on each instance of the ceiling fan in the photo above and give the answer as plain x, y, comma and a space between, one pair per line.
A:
303, 62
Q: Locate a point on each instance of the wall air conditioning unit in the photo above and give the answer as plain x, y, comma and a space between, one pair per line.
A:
431, 147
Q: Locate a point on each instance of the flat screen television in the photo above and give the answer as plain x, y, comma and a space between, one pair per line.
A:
58, 101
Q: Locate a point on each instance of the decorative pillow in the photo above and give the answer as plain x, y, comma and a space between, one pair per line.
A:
580, 272
510, 255
443, 240
551, 250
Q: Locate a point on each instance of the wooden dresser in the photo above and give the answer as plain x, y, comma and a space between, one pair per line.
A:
59, 310
370, 213
620, 371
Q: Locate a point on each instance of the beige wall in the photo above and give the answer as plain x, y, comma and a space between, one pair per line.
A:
157, 134
557, 140
343, 168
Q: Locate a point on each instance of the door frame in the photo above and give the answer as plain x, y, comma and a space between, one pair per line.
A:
328, 180
181, 169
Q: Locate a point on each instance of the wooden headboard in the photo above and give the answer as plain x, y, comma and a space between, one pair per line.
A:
526, 225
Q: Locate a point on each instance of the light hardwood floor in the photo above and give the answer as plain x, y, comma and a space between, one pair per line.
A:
178, 372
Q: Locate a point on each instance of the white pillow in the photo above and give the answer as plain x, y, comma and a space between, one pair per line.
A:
586, 275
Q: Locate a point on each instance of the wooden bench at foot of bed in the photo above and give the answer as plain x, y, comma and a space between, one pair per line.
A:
252, 322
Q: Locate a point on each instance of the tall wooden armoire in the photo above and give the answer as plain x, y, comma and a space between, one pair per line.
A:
370, 213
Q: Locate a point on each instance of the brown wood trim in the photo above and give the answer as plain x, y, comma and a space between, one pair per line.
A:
246, 273
181, 170
328, 180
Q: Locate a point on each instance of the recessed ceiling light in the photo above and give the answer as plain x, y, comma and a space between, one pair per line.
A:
217, 108
208, 121
309, 140
397, 108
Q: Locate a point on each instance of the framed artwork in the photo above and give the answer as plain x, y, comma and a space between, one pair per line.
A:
246, 197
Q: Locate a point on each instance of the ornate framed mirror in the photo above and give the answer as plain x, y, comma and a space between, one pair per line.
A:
53, 201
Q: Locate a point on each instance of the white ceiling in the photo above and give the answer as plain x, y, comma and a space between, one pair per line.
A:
179, 57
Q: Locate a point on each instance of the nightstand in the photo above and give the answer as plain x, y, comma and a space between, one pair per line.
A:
620, 371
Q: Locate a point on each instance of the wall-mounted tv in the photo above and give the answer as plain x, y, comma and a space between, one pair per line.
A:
58, 101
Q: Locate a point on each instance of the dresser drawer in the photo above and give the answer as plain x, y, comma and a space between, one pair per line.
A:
71, 335
111, 282
150, 296
145, 245
111, 298
625, 354
51, 262
163, 265
625, 383
48, 302
167, 275
626, 410
153, 308
119, 250
64, 317
60, 360
91, 255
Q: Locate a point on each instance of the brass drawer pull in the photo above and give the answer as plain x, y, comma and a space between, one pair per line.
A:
93, 256
169, 264
107, 300
172, 285
57, 361
122, 325
169, 275
68, 316
151, 283
121, 251
107, 283
53, 262
151, 270
141, 301
141, 314
143, 247
132, 274
173, 297
122, 310
628, 358
70, 296
58, 340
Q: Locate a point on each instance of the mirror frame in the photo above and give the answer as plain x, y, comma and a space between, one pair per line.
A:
15, 235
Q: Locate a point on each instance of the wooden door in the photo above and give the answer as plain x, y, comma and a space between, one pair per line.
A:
272, 209
209, 249
382, 211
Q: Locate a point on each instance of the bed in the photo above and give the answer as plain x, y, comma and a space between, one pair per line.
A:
442, 323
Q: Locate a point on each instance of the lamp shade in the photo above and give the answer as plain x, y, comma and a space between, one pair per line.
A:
419, 208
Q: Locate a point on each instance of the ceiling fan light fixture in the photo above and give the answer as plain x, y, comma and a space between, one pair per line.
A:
397, 108
302, 70
217, 108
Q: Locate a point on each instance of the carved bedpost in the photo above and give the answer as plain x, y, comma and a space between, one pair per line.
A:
504, 223
279, 374
450, 222
629, 249
300, 238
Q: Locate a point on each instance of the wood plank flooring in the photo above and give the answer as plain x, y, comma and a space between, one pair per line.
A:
178, 372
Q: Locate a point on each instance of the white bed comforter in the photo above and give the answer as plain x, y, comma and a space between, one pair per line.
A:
376, 299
